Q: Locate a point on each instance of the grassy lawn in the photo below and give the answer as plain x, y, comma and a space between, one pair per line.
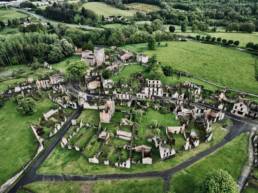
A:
142, 7
250, 190
18, 144
71, 162
90, 116
63, 65
107, 186
6, 14
224, 66
107, 10
127, 73
129, 186
230, 158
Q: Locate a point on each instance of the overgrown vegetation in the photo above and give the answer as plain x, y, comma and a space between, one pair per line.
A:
22, 49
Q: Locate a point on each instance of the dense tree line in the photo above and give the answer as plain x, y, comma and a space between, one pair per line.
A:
116, 37
23, 49
69, 13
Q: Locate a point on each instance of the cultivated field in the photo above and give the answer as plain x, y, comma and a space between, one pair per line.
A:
107, 10
142, 7
6, 14
18, 143
224, 66
222, 159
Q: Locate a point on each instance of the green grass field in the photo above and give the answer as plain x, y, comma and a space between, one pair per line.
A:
107, 10
63, 65
18, 143
6, 14
224, 66
231, 158
142, 7
250, 190
120, 186
127, 73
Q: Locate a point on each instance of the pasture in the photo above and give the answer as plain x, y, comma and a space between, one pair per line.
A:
107, 10
18, 143
6, 14
142, 7
122, 186
224, 66
187, 180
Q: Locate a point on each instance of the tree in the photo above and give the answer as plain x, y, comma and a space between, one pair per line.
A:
106, 74
167, 70
183, 27
151, 43
55, 54
218, 182
25, 106
76, 71
236, 43
172, 28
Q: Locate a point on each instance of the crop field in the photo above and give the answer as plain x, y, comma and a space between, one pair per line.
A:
6, 14
18, 143
142, 7
224, 66
107, 10
221, 159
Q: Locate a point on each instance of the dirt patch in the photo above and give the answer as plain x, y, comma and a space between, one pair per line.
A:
86, 187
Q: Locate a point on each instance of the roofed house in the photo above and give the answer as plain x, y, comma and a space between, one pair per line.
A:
124, 135
107, 113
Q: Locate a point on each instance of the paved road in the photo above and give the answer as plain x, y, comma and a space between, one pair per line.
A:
237, 128
30, 173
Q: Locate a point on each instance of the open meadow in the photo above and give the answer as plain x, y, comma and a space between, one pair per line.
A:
122, 186
18, 144
6, 14
211, 62
142, 7
107, 10
221, 159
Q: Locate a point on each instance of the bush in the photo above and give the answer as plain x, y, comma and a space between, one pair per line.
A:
218, 182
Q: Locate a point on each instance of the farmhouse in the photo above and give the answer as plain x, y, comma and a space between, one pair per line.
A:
96, 58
